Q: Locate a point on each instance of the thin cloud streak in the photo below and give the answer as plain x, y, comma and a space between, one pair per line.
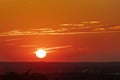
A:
29, 33
59, 47
28, 46
10, 40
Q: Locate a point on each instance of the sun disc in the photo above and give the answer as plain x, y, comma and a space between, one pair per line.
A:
40, 53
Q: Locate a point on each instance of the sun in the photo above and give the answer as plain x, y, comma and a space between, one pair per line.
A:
40, 53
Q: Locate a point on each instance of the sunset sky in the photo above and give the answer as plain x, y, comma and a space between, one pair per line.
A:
70, 30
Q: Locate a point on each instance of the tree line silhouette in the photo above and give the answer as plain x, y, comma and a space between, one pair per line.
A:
59, 76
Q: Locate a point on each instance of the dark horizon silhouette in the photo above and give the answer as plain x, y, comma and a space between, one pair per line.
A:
60, 71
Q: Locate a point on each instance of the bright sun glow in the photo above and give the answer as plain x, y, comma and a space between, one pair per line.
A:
40, 53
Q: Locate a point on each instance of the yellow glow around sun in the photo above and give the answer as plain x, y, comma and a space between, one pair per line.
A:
40, 53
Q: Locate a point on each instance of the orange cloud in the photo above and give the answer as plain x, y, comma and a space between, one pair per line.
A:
94, 22
29, 46
63, 30
100, 29
115, 28
58, 47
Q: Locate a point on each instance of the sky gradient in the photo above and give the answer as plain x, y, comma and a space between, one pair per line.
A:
79, 30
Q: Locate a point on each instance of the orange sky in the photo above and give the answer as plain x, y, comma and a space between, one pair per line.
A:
90, 27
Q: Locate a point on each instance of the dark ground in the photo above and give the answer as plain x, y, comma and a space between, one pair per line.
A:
60, 71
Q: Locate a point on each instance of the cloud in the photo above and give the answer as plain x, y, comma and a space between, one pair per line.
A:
100, 29
29, 46
59, 47
94, 22
115, 28
66, 29
41, 29
91, 22
9, 40
65, 25
54, 32
68, 25
84, 22
19, 33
